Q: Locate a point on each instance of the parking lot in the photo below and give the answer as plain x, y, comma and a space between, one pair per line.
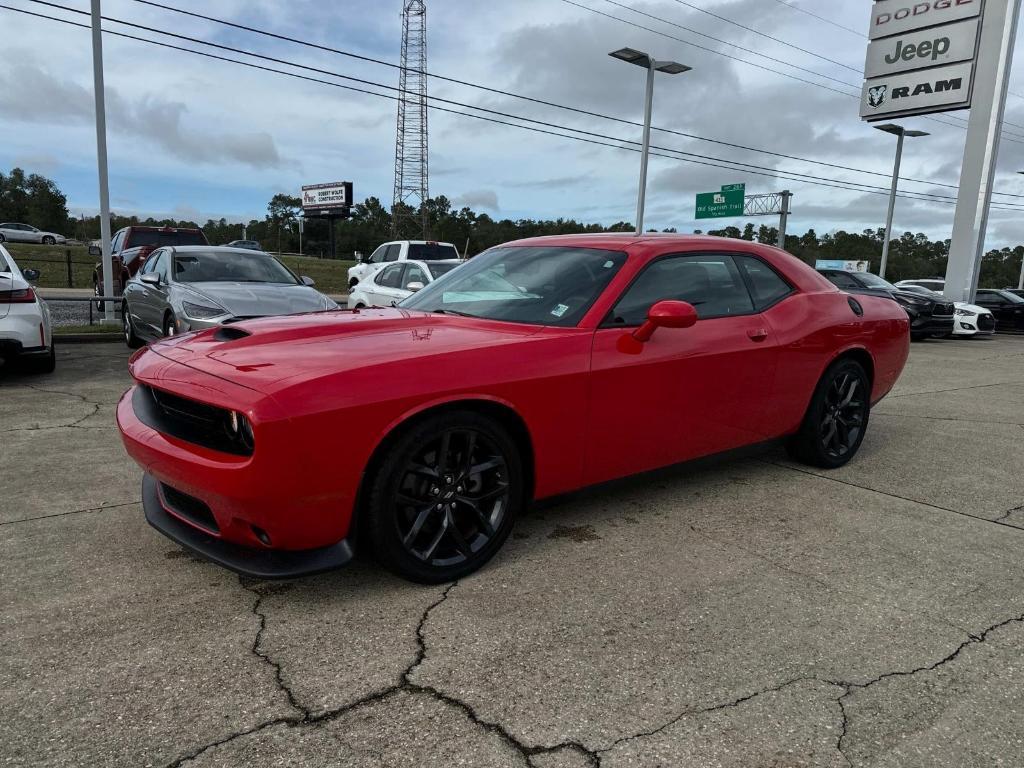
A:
740, 613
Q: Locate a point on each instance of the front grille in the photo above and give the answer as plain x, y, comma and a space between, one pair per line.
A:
189, 507
986, 323
942, 309
187, 419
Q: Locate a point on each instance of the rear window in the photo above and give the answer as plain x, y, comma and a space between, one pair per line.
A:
431, 251
159, 239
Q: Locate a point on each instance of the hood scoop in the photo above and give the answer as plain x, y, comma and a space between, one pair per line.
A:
230, 333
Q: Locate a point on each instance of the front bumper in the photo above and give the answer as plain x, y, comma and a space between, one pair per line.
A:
248, 561
974, 325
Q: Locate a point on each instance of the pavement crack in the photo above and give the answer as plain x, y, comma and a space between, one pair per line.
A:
1007, 513
101, 508
74, 424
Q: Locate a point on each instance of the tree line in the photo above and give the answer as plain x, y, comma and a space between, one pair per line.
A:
36, 200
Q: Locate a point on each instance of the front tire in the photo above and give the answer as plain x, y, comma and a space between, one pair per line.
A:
130, 337
837, 418
445, 497
170, 325
49, 240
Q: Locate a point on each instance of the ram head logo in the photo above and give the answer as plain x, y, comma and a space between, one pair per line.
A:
876, 95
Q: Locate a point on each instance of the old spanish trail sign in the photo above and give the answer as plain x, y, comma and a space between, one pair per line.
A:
718, 205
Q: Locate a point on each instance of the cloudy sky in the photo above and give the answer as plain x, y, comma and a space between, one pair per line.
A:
198, 138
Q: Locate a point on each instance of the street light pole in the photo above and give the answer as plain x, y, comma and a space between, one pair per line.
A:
641, 194
101, 160
900, 132
641, 59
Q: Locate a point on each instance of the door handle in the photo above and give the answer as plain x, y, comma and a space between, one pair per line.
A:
758, 334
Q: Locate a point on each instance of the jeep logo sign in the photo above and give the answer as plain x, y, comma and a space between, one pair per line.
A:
948, 44
894, 17
930, 90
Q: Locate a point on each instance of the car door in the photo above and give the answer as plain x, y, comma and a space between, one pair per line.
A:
1008, 314
387, 286
686, 392
152, 301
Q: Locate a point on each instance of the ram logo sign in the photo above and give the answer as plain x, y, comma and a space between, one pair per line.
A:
917, 93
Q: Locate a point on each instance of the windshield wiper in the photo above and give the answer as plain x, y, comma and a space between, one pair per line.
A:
451, 312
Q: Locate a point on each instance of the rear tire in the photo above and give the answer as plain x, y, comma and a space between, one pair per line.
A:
445, 497
836, 419
43, 364
130, 338
97, 291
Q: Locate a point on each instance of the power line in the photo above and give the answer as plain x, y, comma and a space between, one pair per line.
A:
577, 110
713, 162
767, 36
820, 18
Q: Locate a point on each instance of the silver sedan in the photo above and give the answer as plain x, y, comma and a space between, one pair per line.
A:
188, 288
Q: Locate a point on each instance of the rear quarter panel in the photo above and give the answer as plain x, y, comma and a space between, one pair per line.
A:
813, 329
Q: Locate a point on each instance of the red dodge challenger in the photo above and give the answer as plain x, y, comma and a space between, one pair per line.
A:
541, 366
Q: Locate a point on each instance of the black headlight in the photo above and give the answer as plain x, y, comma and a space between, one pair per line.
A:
239, 429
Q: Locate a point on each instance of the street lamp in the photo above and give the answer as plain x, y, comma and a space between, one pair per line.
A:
899, 131
652, 65
1020, 283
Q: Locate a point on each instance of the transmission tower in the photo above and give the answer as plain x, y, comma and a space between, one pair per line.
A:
408, 209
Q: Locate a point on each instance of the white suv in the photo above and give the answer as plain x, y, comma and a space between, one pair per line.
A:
25, 331
401, 250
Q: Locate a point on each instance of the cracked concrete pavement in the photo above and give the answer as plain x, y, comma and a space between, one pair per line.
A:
745, 612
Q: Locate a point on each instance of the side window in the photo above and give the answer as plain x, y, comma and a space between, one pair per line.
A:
115, 245
766, 285
150, 262
711, 283
390, 277
378, 255
393, 252
160, 268
414, 274
990, 297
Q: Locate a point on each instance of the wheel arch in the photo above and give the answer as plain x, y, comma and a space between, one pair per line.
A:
859, 355
503, 412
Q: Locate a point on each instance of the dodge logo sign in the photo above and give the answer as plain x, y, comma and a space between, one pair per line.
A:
894, 17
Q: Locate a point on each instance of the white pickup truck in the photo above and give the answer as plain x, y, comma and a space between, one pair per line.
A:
401, 250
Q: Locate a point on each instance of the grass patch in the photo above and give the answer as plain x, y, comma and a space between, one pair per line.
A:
331, 275
52, 263
60, 330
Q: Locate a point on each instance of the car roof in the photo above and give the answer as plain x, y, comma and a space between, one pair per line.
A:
620, 240
210, 248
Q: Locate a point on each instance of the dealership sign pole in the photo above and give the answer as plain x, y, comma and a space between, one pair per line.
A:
101, 160
995, 56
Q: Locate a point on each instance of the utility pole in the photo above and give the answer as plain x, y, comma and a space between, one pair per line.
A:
101, 161
784, 217
411, 156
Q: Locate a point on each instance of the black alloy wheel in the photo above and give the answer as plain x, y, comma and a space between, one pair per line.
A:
837, 418
49, 240
130, 338
446, 497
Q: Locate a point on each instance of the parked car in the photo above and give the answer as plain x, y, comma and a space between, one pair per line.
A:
539, 367
1016, 291
26, 334
26, 233
968, 319
1007, 307
388, 286
130, 247
401, 250
188, 288
928, 316
252, 245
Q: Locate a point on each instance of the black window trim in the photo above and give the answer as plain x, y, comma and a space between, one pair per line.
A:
608, 321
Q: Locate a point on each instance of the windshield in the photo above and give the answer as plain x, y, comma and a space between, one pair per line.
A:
538, 285
228, 267
874, 281
437, 269
1013, 298
431, 251
166, 238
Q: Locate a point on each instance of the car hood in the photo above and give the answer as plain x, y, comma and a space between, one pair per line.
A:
257, 299
272, 354
973, 308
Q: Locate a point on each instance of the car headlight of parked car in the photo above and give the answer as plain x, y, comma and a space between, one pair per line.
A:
963, 312
202, 311
240, 429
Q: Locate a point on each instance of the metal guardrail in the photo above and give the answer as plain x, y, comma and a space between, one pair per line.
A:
90, 300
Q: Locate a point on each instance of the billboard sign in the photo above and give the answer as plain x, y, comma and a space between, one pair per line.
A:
726, 203
921, 57
896, 17
325, 197
840, 264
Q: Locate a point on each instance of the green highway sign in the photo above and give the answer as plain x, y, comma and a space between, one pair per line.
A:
718, 205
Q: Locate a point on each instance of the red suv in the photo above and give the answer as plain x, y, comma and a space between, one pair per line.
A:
130, 247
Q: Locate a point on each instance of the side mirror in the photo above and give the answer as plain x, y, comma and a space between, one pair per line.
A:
30, 274
95, 250
150, 278
307, 280
414, 286
666, 314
